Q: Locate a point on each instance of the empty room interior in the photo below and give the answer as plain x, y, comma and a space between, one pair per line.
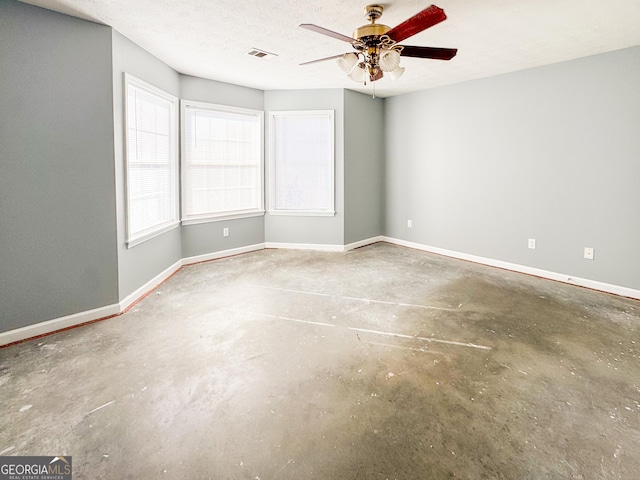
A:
417, 257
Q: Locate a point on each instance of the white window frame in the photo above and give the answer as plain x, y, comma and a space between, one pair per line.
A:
136, 238
330, 115
231, 214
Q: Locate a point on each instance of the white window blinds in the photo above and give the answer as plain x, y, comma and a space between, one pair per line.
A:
302, 162
151, 153
222, 161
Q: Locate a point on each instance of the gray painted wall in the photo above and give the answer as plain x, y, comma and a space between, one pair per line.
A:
310, 230
203, 90
207, 238
58, 228
551, 153
141, 263
363, 167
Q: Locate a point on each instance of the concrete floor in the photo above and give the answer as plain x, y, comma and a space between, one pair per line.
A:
381, 363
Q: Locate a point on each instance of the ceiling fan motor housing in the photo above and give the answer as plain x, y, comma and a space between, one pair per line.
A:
371, 30
372, 13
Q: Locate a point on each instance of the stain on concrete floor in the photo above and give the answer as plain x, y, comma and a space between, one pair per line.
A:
382, 363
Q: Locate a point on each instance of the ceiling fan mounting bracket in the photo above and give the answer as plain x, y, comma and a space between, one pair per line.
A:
373, 12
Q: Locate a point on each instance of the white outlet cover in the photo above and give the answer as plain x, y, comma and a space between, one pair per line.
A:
532, 243
409, 223
588, 253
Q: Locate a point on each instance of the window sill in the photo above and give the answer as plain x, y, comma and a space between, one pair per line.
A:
219, 218
147, 236
303, 213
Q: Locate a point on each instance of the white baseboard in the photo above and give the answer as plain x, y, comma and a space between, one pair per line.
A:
76, 319
222, 254
306, 246
133, 297
560, 277
56, 324
50, 326
323, 247
363, 243
162, 276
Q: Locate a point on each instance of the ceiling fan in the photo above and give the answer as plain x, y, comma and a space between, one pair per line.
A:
376, 45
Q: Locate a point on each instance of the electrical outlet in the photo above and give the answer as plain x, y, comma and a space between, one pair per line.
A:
225, 232
409, 223
588, 253
532, 243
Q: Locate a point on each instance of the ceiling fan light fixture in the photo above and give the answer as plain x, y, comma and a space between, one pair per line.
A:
359, 73
389, 60
347, 62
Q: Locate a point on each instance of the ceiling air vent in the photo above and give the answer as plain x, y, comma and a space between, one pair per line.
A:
254, 52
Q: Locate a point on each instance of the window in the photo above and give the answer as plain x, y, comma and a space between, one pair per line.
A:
221, 162
302, 163
151, 160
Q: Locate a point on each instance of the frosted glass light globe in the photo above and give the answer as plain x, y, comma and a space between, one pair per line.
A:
389, 60
347, 62
358, 74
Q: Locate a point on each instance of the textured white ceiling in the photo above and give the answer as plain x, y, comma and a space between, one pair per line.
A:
209, 38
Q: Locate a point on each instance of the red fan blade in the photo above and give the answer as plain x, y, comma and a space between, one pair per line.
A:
429, 52
419, 22
324, 31
322, 59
